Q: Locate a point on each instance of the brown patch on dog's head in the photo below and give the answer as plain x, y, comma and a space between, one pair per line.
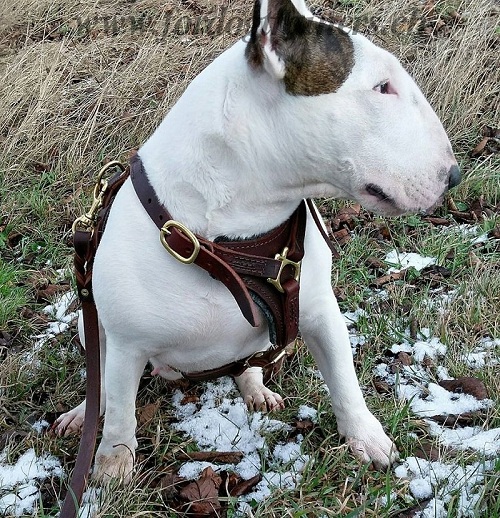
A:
318, 57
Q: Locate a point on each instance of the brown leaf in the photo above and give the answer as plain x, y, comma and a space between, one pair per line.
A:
304, 425
168, 485
466, 385
375, 263
435, 271
342, 236
438, 221
14, 238
229, 457
190, 398
202, 496
428, 451
385, 279
47, 294
339, 293
146, 413
245, 486
474, 260
5, 339
382, 387
494, 233
404, 358
411, 513
488, 131
479, 149
452, 420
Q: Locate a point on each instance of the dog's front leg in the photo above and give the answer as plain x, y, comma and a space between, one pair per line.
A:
325, 333
116, 453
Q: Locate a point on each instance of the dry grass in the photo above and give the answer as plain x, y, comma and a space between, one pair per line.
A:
71, 98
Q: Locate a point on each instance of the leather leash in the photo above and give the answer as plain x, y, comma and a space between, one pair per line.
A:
87, 230
260, 280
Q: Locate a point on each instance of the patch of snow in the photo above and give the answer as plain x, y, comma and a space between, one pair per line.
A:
483, 238
40, 425
307, 412
90, 503
351, 317
19, 488
58, 311
468, 438
414, 384
221, 422
404, 260
484, 354
444, 480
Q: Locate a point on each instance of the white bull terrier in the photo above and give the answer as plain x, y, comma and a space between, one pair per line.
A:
301, 109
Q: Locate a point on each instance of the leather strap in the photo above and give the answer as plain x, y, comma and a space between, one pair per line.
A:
314, 213
85, 244
232, 262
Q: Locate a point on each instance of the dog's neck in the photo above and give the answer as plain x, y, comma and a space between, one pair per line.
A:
222, 162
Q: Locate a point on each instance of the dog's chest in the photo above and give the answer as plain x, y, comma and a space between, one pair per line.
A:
171, 310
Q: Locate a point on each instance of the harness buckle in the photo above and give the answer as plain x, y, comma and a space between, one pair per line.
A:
164, 232
285, 262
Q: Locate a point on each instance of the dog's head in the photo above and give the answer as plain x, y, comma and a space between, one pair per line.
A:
351, 113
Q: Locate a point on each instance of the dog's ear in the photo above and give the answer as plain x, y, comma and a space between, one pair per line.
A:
286, 41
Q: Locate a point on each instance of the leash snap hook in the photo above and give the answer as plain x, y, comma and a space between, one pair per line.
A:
285, 262
87, 222
165, 232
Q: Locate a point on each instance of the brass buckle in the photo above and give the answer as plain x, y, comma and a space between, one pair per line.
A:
260, 354
164, 232
87, 222
284, 262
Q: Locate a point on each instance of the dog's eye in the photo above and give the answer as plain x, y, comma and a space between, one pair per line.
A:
383, 88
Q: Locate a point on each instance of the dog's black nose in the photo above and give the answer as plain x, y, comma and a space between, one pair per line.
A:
454, 177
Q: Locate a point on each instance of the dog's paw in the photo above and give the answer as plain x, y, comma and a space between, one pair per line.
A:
264, 400
369, 443
70, 422
117, 466
255, 394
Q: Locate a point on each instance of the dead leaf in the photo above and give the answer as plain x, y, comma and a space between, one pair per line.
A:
168, 485
342, 236
466, 385
474, 260
437, 221
47, 294
391, 277
452, 420
146, 413
202, 496
5, 339
229, 457
304, 425
435, 271
404, 358
375, 263
494, 233
428, 451
382, 387
245, 486
411, 513
190, 398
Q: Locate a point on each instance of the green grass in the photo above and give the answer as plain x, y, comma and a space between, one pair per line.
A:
12, 296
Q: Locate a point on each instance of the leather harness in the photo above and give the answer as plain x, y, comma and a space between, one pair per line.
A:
261, 273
